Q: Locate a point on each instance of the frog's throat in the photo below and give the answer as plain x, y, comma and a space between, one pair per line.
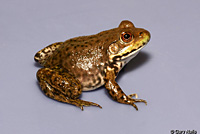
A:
130, 50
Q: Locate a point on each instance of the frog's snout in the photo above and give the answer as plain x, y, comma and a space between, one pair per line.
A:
145, 34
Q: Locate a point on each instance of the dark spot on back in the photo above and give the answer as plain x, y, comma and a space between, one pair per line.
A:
90, 37
69, 54
97, 41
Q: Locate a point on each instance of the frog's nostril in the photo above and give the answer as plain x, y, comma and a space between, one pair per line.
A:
144, 33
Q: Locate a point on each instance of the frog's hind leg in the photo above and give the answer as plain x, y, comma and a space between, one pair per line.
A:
61, 86
46, 52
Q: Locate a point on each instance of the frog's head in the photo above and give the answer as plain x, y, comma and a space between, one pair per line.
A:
130, 41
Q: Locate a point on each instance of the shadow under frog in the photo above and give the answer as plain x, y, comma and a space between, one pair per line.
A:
86, 63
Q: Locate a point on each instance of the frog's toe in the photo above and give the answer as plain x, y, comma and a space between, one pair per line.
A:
82, 108
94, 104
135, 106
91, 104
81, 103
140, 100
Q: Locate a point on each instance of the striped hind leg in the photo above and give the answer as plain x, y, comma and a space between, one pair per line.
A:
46, 52
59, 85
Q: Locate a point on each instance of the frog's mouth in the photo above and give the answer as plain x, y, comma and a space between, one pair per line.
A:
129, 51
132, 50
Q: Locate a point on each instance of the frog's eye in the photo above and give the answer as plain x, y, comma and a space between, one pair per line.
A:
126, 37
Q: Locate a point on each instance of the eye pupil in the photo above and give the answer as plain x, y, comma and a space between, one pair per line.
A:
126, 36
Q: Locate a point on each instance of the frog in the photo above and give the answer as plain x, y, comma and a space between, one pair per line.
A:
86, 63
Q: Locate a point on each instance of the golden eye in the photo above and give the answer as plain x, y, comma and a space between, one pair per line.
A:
126, 37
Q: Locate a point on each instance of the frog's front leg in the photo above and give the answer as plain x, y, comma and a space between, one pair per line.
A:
116, 92
62, 86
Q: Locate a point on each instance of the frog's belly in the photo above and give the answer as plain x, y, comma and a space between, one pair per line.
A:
93, 83
90, 79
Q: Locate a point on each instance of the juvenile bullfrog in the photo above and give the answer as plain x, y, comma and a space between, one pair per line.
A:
88, 62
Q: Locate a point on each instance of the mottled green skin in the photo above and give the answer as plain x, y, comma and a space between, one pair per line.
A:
88, 62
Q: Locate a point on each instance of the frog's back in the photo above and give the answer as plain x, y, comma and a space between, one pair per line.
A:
85, 57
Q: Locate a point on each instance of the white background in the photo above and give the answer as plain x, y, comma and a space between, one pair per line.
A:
166, 73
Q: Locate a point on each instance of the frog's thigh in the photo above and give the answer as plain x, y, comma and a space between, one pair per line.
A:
44, 54
61, 86
62, 82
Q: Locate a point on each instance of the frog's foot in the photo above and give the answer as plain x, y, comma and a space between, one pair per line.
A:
132, 101
116, 92
135, 100
61, 86
80, 103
